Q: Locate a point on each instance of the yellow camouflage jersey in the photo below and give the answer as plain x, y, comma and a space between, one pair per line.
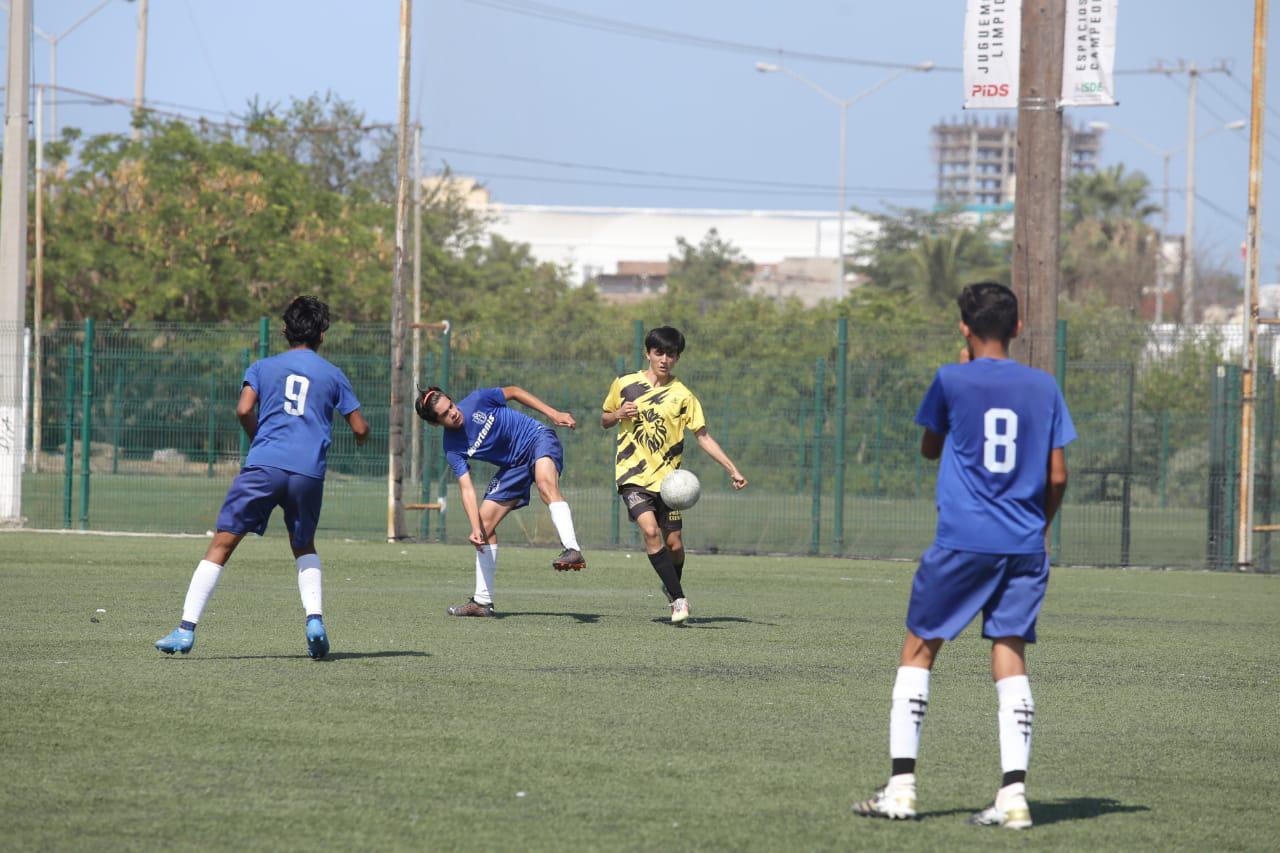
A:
651, 443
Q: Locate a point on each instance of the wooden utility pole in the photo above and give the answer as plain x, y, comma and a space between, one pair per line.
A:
1037, 203
1248, 409
399, 287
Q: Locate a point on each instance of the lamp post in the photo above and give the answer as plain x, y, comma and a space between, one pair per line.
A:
1166, 154
53, 59
843, 104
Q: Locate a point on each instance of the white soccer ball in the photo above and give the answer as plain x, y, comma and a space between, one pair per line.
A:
680, 489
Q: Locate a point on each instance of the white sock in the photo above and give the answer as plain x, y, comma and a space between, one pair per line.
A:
203, 581
309, 584
563, 520
906, 711
1016, 714
486, 565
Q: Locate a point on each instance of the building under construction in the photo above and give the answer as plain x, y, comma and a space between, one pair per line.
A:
976, 160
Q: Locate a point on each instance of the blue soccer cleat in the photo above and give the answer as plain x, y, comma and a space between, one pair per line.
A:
317, 639
178, 640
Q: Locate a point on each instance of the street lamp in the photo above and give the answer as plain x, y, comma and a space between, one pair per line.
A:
53, 60
843, 104
1165, 155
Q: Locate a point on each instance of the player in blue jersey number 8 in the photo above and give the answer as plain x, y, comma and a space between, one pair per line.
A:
1000, 428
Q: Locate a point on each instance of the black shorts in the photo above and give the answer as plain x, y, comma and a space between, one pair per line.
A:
638, 501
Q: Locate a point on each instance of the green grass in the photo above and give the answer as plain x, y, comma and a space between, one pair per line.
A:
752, 728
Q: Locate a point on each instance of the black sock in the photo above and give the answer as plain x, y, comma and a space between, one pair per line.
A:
1013, 776
678, 562
666, 570
187, 626
903, 765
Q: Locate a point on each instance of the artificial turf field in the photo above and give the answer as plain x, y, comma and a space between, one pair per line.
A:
580, 720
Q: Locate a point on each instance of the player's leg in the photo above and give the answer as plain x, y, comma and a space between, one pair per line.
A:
948, 590
252, 496
1009, 622
907, 706
549, 462
675, 547
303, 500
481, 602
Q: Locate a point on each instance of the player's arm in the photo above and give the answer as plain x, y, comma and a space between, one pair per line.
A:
359, 426
244, 411
931, 444
557, 417
712, 448
467, 491
1057, 485
626, 411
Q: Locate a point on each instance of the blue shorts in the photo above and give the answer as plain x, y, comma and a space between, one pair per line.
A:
512, 482
258, 489
952, 587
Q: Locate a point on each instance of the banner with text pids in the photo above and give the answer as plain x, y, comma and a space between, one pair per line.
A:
992, 34
992, 43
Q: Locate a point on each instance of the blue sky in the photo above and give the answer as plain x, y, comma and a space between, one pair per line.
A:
513, 78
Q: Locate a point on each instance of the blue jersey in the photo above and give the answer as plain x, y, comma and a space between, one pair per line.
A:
297, 393
490, 432
1001, 420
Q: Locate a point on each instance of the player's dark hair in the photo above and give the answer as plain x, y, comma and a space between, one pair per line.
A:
990, 310
425, 405
665, 339
305, 320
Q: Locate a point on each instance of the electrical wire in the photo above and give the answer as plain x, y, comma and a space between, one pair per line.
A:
557, 14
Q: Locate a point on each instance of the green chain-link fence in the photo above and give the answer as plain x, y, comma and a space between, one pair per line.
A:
824, 432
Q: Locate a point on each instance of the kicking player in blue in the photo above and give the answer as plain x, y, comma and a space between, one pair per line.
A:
526, 451
296, 393
1000, 428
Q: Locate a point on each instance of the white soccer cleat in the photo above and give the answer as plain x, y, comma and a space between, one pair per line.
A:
1010, 809
895, 801
679, 610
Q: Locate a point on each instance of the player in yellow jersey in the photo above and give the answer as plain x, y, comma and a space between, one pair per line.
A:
654, 410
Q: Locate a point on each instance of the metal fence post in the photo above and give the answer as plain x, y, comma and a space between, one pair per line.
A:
1164, 458
428, 456
117, 416
244, 436
211, 434
842, 370
1126, 507
264, 335
86, 423
1060, 369
637, 328
69, 436
819, 379
446, 359
615, 532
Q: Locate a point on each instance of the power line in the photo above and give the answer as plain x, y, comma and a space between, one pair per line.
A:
560, 15
863, 191
645, 173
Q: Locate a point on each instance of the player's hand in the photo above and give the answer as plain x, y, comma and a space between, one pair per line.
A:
628, 411
739, 481
478, 538
564, 419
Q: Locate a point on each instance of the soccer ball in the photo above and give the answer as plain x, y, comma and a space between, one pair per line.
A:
680, 489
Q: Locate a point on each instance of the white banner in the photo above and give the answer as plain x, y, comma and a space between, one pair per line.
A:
1089, 54
992, 35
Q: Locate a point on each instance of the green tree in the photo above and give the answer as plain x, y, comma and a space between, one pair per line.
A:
931, 255
709, 274
1107, 247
